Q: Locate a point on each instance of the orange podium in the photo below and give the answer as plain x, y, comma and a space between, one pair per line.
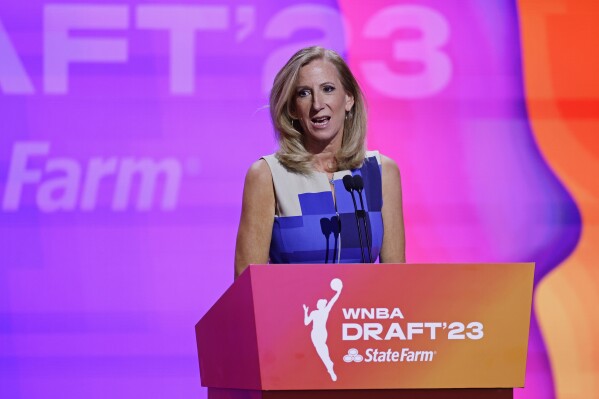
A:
369, 331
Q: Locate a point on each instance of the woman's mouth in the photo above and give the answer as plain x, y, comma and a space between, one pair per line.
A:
321, 122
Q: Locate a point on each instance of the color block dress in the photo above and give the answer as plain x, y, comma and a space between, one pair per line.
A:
311, 227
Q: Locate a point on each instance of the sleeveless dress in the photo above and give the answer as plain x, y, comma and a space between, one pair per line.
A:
311, 227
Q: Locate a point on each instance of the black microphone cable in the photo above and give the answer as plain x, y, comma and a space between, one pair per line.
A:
358, 184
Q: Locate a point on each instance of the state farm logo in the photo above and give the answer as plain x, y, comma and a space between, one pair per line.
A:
69, 184
353, 356
388, 356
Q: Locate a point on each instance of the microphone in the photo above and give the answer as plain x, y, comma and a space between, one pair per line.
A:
358, 184
348, 183
326, 228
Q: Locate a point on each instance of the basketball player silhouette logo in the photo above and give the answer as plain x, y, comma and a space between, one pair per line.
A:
318, 318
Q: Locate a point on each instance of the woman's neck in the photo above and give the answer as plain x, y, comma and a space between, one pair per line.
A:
324, 155
325, 162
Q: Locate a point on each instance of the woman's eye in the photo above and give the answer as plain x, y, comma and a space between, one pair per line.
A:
328, 89
303, 93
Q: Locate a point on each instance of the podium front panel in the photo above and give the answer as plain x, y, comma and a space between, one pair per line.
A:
392, 326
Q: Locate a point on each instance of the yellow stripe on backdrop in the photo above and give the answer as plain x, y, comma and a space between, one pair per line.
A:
561, 68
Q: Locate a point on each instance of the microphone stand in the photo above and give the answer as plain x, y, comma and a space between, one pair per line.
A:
348, 183
358, 184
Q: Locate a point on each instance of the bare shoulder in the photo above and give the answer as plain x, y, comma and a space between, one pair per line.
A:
259, 173
390, 168
386, 161
257, 215
258, 177
258, 190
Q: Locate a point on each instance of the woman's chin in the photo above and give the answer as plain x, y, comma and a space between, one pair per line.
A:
321, 137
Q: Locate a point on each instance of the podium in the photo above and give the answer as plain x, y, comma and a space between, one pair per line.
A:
372, 331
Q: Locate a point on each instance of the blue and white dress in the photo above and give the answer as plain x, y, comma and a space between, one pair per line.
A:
312, 226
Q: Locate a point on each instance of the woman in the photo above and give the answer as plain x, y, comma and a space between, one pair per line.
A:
298, 204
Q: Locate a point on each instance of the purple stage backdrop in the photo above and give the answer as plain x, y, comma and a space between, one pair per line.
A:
127, 128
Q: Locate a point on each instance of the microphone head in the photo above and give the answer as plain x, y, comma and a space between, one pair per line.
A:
326, 226
358, 183
348, 183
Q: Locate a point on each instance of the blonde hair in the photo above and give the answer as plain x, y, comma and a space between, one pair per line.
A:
292, 152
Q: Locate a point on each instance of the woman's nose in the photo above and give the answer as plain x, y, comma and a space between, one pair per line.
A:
317, 102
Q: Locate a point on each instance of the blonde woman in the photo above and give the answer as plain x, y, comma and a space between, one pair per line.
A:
298, 204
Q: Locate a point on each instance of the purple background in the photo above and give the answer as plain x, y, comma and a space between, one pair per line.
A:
105, 267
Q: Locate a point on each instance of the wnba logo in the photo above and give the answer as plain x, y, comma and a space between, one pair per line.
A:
318, 318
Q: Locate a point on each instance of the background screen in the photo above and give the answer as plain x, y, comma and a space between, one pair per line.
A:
127, 127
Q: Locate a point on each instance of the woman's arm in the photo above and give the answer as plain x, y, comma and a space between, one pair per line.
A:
257, 216
394, 240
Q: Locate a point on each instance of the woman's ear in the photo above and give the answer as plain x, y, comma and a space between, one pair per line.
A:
291, 112
349, 102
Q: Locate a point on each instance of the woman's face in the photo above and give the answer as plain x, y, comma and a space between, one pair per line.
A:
321, 103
